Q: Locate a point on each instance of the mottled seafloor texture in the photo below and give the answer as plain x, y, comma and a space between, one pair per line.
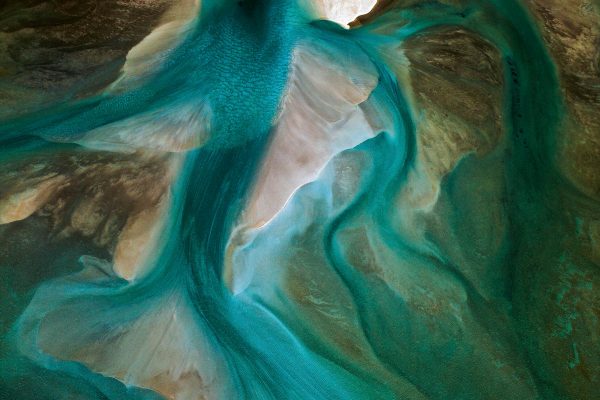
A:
300, 199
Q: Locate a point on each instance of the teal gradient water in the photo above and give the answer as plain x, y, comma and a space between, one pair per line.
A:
237, 59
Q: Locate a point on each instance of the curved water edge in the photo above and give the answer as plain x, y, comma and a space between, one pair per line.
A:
355, 279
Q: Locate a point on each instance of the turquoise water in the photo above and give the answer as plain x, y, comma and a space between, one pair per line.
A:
265, 342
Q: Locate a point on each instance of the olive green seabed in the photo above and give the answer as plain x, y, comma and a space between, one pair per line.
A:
238, 200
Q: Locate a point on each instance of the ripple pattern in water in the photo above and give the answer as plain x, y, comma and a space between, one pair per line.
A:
286, 199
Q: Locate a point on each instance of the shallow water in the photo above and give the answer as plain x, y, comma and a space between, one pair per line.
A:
299, 253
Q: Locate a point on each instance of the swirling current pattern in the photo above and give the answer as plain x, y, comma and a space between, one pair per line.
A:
285, 199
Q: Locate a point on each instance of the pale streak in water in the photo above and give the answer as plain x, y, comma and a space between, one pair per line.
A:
290, 208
